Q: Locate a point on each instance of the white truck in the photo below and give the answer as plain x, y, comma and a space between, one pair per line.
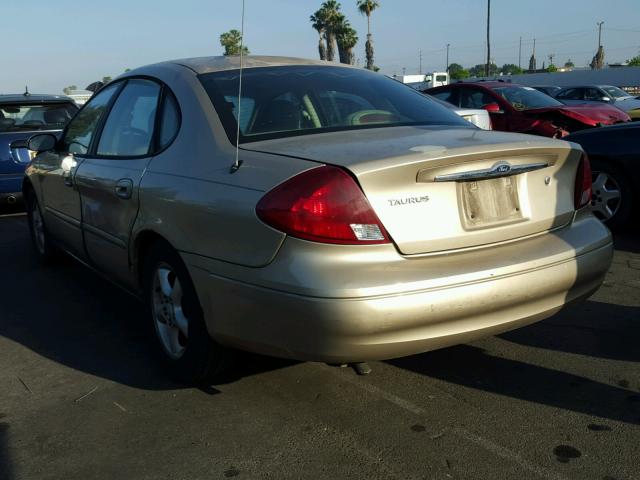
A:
422, 82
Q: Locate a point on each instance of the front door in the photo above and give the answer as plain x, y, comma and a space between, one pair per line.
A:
60, 199
108, 179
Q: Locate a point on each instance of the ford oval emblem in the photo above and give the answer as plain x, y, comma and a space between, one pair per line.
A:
503, 168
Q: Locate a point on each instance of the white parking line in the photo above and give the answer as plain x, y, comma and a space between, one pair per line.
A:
462, 433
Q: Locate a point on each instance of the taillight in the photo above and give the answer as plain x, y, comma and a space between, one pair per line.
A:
582, 192
322, 205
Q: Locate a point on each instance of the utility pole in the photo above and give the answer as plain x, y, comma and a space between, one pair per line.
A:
551, 55
420, 62
448, 45
600, 34
520, 54
488, 43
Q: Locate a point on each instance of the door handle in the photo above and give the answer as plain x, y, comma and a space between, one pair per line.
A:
124, 188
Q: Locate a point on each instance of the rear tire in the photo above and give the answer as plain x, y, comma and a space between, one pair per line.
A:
45, 252
612, 197
190, 354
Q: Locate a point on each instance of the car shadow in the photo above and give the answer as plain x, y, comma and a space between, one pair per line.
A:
69, 314
596, 329
626, 241
473, 367
6, 468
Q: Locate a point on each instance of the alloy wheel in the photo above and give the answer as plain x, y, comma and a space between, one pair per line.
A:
172, 325
606, 195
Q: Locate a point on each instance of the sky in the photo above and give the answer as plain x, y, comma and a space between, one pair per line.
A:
50, 44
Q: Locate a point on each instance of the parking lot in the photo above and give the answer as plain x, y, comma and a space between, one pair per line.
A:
82, 396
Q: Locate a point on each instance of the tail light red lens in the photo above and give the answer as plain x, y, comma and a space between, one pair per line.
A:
582, 192
322, 205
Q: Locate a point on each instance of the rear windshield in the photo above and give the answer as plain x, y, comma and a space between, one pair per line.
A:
53, 116
297, 100
526, 98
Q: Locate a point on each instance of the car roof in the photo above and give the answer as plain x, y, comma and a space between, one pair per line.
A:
202, 65
21, 98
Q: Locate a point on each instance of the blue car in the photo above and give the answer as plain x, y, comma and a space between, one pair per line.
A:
20, 117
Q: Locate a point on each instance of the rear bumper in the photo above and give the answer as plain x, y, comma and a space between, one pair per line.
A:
454, 309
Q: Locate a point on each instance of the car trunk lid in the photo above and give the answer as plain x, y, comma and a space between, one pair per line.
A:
438, 189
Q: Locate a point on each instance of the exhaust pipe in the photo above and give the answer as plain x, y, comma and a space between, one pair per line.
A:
11, 199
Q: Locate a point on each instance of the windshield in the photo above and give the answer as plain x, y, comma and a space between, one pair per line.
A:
526, 98
286, 101
615, 92
52, 116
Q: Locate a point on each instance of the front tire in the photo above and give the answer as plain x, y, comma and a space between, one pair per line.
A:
45, 251
189, 353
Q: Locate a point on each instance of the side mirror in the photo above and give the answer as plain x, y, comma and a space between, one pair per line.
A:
42, 142
492, 108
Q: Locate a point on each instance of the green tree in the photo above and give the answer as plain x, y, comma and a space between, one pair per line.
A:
347, 38
479, 70
635, 61
366, 7
231, 42
458, 72
69, 89
552, 68
106, 79
318, 22
569, 64
510, 69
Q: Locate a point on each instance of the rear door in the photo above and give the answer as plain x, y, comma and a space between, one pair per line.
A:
109, 178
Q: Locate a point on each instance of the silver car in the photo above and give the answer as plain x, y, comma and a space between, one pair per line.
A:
356, 219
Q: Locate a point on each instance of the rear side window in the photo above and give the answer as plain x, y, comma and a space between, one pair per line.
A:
298, 100
170, 122
81, 129
473, 98
571, 94
445, 96
128, 130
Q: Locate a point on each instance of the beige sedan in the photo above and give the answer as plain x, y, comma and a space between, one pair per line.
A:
326, 213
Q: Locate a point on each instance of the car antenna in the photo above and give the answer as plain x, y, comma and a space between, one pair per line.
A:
26, 91
238, 162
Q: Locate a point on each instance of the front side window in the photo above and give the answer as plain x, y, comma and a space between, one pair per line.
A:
25, 117
128, 130
593, 94
81, 129
296, 100
526, 98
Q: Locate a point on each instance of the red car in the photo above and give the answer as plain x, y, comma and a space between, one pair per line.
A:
516, 108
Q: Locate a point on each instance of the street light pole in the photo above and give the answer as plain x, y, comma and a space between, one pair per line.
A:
599, 34
488, 42
448, 45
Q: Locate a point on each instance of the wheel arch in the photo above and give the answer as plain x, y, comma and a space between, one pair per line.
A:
141, 244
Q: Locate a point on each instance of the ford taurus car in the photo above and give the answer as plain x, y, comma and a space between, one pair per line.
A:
21, 116
326, 213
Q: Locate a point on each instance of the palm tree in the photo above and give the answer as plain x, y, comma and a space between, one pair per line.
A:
366, 7
347, 38
318, 23
332, 18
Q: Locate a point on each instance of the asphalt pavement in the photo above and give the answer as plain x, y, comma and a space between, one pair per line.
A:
82, 397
